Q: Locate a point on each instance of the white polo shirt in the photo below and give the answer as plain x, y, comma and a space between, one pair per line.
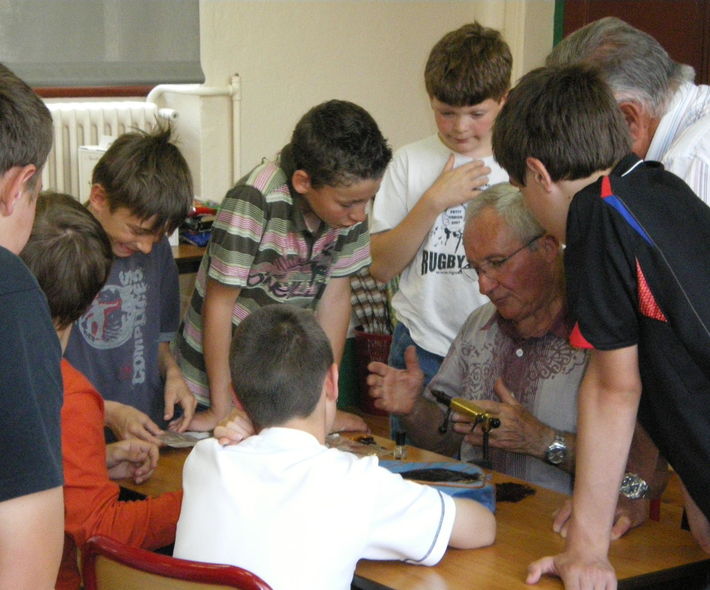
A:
300, 515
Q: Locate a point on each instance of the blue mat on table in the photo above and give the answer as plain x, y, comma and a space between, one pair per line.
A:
486, 495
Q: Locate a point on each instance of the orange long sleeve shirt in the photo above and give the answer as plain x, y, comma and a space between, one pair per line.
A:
91, 501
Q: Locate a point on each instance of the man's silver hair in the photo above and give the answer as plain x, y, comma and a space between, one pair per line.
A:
508, 202
633, 63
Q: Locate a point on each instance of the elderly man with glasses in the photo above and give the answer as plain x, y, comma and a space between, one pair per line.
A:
511, 357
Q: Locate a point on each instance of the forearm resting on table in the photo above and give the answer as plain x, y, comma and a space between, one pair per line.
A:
474, 526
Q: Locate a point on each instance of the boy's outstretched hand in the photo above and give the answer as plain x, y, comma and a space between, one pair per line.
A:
396, 390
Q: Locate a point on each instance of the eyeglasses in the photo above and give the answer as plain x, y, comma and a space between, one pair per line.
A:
493, 266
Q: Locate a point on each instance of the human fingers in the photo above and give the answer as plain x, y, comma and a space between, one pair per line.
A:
146, 430
538, 568
562, 516
188, 403
377, 368
235, 428
449, 163
621, 526
411, 361
504, 394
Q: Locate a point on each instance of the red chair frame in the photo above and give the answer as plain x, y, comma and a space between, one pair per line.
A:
164, 565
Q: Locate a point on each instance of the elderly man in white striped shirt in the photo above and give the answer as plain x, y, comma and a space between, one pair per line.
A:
668, 115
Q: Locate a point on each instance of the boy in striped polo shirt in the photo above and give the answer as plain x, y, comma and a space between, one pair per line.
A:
291, 230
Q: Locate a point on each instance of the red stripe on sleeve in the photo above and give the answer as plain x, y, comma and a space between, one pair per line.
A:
576, 338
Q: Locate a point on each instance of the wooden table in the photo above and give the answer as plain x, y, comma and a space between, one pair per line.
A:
188, 257
656, 553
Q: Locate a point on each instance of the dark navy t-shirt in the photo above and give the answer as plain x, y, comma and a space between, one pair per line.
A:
115, 343
30, 385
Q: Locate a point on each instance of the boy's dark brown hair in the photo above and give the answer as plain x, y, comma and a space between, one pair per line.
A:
146, 173
567, 118
25, 125
469, 65
338, 143
285, 382
70, 255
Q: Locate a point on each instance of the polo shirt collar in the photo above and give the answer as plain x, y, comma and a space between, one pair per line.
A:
561, 326
626, 164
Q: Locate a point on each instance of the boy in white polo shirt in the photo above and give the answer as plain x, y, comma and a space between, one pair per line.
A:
271, 503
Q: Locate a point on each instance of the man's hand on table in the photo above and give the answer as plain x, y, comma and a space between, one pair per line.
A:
135, 459
629, 514
127, 422
396, 390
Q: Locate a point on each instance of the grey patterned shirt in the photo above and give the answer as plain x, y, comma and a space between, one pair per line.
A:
544, 373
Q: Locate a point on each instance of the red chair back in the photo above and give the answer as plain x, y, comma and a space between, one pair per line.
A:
110, 565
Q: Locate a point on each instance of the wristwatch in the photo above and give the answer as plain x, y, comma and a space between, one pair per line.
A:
633, 486
556, 453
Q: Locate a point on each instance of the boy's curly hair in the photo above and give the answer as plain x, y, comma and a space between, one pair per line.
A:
338, 143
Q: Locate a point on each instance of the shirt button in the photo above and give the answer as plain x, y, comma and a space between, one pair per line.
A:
519, 352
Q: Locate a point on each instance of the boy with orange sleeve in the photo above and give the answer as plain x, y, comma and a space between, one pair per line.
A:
70, 255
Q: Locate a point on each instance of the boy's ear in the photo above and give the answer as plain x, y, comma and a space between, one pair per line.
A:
12, 185
331, 383
537, 173
98, 199
301, 181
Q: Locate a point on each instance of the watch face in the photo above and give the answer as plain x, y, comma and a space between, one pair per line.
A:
555, 456
556, 453
633, 486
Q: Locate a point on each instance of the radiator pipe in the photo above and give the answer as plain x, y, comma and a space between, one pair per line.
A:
233, 90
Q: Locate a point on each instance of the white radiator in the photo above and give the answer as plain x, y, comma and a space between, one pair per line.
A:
89, 123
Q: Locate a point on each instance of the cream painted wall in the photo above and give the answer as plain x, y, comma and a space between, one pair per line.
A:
293, 54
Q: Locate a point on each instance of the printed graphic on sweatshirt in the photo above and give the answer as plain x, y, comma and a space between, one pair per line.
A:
116, 316
443, 252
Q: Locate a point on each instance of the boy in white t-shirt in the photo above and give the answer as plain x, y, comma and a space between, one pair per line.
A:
418, 214
283, 505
